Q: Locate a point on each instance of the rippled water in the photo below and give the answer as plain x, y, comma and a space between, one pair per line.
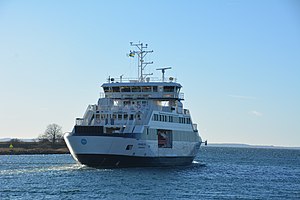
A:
217, 173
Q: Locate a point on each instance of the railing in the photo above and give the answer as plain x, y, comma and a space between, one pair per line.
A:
79, 121
181, 95
151, 79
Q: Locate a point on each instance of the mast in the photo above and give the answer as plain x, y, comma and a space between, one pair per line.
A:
141, 52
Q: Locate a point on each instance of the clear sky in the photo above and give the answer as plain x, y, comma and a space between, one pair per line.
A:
238, 62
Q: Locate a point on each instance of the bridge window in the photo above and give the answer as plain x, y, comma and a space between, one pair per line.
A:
154, 88
125, 89
106, 89
168, 88
146, 89
160, 88
116, 89
136, 89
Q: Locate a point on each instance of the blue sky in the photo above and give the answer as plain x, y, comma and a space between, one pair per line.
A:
238, 62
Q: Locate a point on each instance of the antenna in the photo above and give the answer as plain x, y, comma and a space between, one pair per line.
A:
163, 70
121, 78
141, 55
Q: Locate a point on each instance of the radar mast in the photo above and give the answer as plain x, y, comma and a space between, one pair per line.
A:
163, 70
141, 52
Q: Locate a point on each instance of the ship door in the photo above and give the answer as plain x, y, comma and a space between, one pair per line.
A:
164, 139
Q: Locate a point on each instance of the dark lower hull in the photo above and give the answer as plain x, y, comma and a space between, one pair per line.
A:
115, 161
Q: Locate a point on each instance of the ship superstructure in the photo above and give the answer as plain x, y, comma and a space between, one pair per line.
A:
136, 123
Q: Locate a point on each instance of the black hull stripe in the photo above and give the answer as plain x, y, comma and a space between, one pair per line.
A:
114, 161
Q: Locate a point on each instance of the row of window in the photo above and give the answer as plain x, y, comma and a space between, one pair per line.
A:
118, 116
142, 89
169, 118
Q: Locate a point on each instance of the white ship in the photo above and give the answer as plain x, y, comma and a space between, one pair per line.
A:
136, 123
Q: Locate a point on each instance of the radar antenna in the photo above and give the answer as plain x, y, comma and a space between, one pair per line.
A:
163, 70
141, 62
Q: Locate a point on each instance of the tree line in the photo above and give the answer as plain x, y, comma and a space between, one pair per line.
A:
53, 134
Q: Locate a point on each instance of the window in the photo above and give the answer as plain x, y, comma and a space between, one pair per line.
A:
125, 103
115, 89
129, 147
168, 88
155, 117
154, 88
125, 89
160, 88
146, 89
125, 116
106, 89
176, 119
136, 89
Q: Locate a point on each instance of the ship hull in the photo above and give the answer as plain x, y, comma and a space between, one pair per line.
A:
115, 161
112, 152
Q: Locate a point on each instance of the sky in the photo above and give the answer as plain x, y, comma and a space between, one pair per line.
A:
238, 62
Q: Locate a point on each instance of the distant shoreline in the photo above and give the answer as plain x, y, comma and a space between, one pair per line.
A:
29, 148
22, 151
234, 145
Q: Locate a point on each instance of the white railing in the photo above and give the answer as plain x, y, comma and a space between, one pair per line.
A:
151, 79
79, 121
181, 95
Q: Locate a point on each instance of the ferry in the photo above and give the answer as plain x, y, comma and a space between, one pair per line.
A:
136, 123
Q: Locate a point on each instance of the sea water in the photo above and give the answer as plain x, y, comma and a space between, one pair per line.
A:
216, 173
